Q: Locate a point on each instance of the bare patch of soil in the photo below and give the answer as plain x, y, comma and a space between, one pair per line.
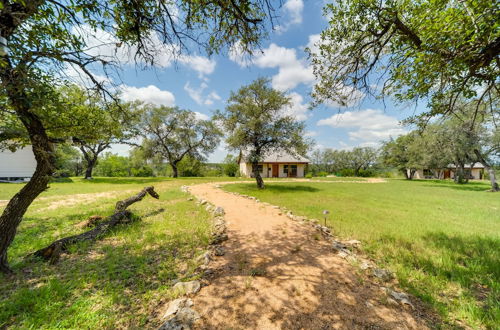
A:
77, 199
276, 274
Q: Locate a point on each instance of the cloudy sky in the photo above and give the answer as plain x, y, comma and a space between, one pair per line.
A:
203, 84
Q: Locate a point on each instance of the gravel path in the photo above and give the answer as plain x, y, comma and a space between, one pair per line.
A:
281, 274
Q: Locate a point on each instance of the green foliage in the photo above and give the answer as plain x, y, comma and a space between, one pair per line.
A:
441, 239
356, 162
432, 50
190, 167
113, 165
173, 134
231, 166
68, 161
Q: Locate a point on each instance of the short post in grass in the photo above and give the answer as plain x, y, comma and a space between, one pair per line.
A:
325, 214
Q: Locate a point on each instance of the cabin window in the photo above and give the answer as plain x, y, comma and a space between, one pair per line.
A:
285, 169
294, 170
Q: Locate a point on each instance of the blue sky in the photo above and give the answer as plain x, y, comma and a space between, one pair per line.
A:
203, 84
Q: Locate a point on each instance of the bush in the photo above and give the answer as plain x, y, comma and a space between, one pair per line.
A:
309, 175
322, 174
346, 172
143, 171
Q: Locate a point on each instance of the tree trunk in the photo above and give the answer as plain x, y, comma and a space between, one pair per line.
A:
256, 173
405, 172
175, 171
460, 176
89, 169
490, 169
17, 206
412, 173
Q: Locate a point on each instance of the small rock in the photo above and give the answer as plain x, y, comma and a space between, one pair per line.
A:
177, 304
180, 315
203, 202
365, 265
208, 208
392, 302
219, 251
339, 246
353, 243
219, 239
383, 274
219, 211
187, 287
401, 297
190, 199
343, 254
368, 304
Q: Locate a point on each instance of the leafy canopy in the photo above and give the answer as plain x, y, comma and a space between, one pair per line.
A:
434, 50
257, 121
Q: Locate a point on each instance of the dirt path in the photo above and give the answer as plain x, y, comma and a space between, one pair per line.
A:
280, 274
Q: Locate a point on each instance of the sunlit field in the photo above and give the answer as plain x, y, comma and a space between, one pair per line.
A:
441, 239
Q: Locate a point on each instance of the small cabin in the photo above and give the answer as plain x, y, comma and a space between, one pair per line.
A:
472, 172
275, 165
17, 166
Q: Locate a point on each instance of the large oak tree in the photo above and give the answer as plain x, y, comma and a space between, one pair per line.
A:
257, 123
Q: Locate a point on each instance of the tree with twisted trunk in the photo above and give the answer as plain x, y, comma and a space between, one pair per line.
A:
46, 37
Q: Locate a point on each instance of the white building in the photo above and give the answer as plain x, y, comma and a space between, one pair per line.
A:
275, 165
17, 165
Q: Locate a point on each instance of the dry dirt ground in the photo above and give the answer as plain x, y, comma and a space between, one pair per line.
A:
280, 274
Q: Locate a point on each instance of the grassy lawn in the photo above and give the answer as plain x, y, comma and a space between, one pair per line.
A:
117, 282
441, 239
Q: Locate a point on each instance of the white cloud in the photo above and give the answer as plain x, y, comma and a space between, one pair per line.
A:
237, 55
293, 14
297, 109
292, 71
311, 134
371, 126
202, 65
313, 43
201, 116
149, 94
197, 94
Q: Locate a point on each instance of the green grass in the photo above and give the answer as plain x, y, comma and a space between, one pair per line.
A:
117, 282
441, 239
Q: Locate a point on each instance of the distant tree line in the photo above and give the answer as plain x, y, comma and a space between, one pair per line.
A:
362, 161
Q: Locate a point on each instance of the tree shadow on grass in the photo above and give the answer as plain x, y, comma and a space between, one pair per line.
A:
278, 188
470, 186
126, 180
113, 283
469, 265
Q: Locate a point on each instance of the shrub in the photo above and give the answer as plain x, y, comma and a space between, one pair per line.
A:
322, 174
309, 175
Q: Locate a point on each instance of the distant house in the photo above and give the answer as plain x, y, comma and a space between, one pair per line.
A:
275, 165
476, 172
16, 166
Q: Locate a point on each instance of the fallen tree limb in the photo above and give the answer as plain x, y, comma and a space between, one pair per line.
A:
121, 215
